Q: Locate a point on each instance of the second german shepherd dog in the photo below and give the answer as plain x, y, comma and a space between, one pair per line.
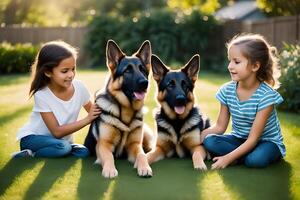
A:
179, 122
120, 127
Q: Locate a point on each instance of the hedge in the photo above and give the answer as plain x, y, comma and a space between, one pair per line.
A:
16, 58
290, 77
173, 38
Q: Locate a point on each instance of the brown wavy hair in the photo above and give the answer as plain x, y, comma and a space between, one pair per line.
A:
49, 57
256, 49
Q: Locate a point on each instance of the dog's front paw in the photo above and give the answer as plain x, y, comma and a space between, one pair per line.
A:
145, 171
109, 172
142, 166
200, 165
198, 162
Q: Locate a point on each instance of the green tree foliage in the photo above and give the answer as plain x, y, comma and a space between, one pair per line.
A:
186, 6
120, 8
280, 7
38, 12
3, 5
173, 38
70, 12
15, 11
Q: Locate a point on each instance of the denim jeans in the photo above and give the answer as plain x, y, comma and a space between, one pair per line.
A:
263, 154
50, 147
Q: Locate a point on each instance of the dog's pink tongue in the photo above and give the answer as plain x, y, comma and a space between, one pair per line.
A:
139, 95
179, 109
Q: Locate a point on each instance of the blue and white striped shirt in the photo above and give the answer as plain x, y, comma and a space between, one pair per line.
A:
243, 113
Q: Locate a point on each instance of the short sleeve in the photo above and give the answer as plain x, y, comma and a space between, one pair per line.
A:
84, 93
221, 95
270, 98
40, 104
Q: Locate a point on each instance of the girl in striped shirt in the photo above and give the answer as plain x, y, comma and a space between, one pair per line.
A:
250, 100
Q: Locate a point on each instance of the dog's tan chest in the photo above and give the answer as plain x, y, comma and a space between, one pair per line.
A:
127, 115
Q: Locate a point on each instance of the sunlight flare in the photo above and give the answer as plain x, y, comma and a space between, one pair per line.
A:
110, 190
212, 187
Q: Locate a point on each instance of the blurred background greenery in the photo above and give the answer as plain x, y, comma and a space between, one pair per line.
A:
177, 30
68, 12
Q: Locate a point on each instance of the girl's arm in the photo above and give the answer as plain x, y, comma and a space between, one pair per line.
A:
88, 106
60, 131
220, 126
254, 135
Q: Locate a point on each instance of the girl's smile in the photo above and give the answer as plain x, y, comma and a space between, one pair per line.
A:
62, 76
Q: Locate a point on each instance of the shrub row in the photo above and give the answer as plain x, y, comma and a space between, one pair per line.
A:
16, 58
173, 38
290, 77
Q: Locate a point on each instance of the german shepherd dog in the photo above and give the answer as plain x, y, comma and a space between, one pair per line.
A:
120, 127
179, 122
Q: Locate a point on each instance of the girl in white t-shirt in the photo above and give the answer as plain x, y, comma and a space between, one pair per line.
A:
58, 99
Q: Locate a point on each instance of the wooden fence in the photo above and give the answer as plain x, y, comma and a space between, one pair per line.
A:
36, 35
276, 30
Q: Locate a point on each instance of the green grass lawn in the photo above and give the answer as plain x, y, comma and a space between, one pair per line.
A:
71, 178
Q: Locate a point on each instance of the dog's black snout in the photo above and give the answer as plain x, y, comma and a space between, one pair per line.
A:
180, 100
143, 84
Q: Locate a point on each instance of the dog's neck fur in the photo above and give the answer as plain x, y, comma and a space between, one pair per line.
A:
176, 122
113, 112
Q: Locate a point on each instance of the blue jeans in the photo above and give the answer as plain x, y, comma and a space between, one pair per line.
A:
50, 147
263, 154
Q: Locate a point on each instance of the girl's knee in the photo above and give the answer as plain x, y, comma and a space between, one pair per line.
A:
63, 148
256, 161
210, 142
263, 155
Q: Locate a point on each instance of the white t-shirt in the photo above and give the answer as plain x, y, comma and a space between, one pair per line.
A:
65, 112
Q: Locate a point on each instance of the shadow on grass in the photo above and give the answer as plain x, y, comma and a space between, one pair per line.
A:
9, 117
272, 182
91, 184
12, 170
52, 170
168, 182
172, 179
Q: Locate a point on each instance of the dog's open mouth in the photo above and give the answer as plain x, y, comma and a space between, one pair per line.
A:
179, 109
139, 95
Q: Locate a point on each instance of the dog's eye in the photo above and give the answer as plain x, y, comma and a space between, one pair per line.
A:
142, 69
128, 69
171, 84
184, 85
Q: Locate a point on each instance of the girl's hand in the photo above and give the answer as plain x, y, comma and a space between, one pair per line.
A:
94, 112
220, 162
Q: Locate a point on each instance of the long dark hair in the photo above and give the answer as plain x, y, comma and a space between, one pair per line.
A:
49, 57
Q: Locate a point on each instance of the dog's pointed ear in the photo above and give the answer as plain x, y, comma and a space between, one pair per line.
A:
144, 53
159, 69
113, 55
191, 69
